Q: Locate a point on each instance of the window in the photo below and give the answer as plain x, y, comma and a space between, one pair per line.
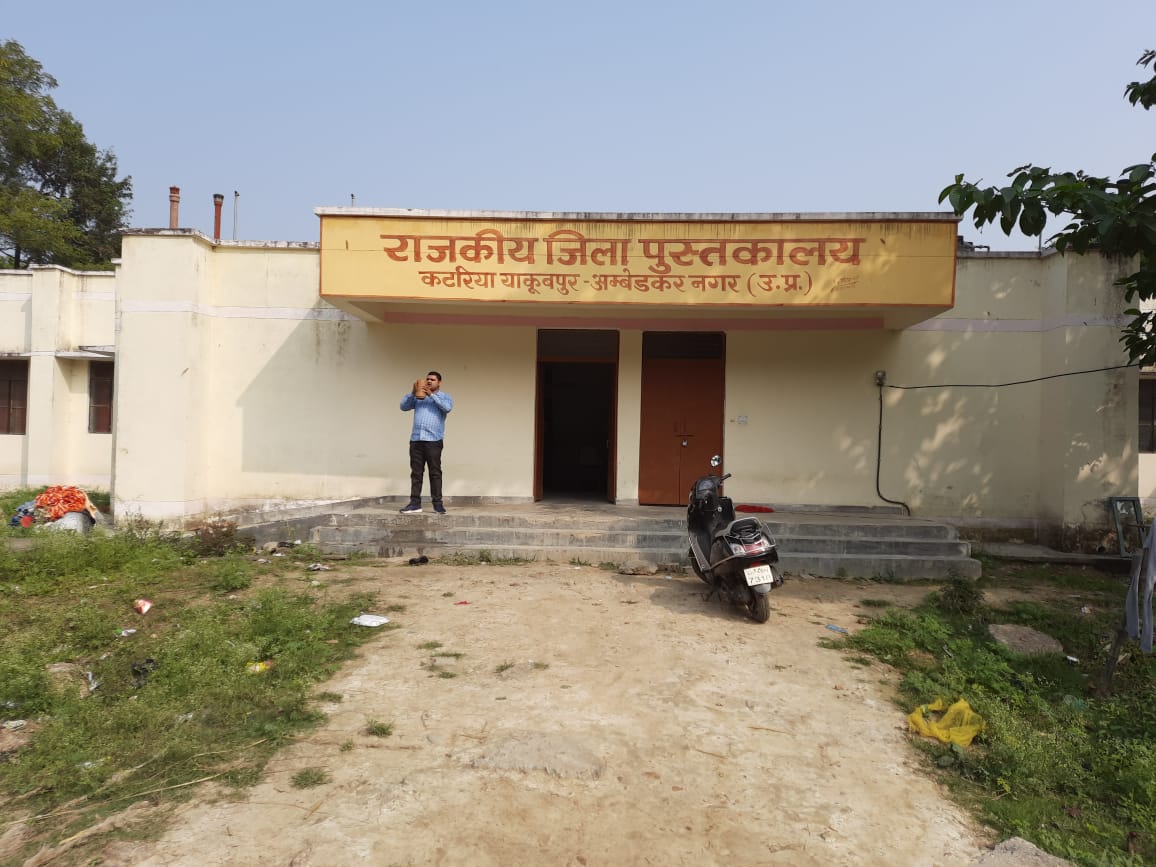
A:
1148, 415
13, 395
100, 396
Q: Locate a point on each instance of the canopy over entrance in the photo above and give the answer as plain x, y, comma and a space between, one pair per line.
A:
796, 270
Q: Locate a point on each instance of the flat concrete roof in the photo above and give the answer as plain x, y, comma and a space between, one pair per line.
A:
783, 217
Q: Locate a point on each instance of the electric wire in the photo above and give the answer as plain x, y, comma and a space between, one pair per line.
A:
879, 459
1017, 382
881, 386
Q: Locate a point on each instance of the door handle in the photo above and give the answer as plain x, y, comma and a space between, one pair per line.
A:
684, 443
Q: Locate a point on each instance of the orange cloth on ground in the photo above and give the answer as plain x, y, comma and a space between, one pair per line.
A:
59, 500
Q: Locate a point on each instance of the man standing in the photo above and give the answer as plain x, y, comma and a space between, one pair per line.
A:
430, 407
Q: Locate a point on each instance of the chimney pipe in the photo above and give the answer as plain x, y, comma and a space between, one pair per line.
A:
174, 206
218, 199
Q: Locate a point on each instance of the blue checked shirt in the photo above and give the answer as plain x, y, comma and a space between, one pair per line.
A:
429, 416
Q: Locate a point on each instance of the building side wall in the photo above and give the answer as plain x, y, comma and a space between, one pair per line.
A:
48, 316
1089, 423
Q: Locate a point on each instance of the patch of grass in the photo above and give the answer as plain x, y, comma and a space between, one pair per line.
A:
960, 597
346, 746
875, 603
308, 778
480, 558
175, 701
231, 575
578, 561
1071, 769
331, 697
429, 645
10, 501
502, 667
539, 666
377, 729
434, 666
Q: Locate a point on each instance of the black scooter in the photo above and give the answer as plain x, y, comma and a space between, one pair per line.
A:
736, 557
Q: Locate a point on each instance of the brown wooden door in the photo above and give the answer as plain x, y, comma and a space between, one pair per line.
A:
682, 426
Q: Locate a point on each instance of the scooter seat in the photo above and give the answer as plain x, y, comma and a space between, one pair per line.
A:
740, 527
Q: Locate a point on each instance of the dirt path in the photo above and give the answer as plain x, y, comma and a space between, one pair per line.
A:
637, 724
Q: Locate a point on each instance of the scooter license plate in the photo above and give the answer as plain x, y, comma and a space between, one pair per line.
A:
758, 575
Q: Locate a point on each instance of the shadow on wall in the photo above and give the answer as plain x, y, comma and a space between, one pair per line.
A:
312, 398
1036, 450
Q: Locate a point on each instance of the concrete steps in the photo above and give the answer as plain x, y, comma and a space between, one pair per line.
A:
863, 543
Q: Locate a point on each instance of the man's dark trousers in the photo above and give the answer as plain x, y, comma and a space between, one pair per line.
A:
421, 455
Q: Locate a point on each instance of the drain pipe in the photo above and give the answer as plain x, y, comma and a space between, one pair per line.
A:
880, 380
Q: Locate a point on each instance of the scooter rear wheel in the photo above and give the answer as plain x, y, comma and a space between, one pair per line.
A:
760, 607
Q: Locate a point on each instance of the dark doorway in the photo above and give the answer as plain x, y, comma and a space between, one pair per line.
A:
577, 387
683, 381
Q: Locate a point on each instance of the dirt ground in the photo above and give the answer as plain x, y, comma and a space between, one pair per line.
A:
594, 719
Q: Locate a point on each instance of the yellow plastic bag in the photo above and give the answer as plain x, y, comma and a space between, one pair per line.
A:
958, 725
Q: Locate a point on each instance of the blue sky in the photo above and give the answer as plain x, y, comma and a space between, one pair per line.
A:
599, 106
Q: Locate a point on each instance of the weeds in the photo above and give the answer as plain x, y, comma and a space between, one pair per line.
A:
480, 558
1070, 771
376, 729
960, 597
174, 701
230, 576
308, 778
218, 537
503, 667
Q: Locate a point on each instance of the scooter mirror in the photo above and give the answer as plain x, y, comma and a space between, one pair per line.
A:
715, 461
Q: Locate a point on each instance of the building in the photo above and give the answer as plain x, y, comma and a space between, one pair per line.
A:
832, 359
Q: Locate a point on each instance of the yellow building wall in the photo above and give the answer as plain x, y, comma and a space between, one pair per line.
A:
15, 305
802, 410
264, 395
48, 314
243, 389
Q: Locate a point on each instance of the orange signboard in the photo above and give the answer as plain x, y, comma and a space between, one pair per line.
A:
732, 263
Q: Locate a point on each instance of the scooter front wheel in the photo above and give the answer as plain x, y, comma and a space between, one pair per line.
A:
760, 607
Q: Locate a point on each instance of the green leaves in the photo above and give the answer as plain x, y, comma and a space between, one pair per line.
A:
1143, 93
60, 200
1114, 217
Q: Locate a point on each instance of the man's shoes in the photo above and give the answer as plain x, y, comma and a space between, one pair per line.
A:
439, 508
412, 509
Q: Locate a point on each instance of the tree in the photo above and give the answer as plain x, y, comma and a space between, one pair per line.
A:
1113, 217
60, 200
